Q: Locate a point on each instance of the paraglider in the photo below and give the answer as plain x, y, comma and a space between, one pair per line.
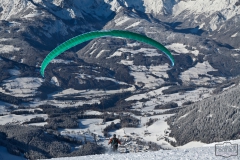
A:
114, 143
96, 34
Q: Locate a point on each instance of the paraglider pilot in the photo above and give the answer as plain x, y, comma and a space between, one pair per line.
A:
114, 143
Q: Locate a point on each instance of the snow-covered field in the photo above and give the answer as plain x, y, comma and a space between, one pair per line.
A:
19, 119
151, 77
193, 74
21, 87
181, 48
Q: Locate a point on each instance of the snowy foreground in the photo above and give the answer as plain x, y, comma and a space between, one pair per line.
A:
207, 152
201, 153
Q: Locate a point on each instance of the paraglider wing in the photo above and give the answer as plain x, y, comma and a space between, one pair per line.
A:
96, 34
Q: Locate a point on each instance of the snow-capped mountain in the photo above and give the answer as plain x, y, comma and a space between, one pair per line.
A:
114, 85
76, 9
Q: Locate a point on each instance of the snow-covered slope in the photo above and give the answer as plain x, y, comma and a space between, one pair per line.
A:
14, 7
210, 15
226, 8
200, 153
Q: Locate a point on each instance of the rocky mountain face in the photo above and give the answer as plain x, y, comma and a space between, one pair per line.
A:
120, 74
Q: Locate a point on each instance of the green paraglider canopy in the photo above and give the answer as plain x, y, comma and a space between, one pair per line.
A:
96, 34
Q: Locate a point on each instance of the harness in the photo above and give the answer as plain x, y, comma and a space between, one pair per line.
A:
114, 142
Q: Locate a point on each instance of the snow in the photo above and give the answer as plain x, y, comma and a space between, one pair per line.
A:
127, 63
148, 80
145, 51
148, 6
104, 8
21, 87
19, 119
145, 95
4, 106
213, 23
155, 130
93, 51
209, 116
38, 124
201, 25
214, 143
117, 53
192, 74
193, 144
121, 20
133, 44
231, 86
89, 93
185, 115
13, 57
133, 25
178, 47
54, 81
70, 103
32, 15
65, 13
226, 7
14, 72
92, 113
200, 153
86, 127
143, 75
61, 61
110, 79
100, 53
235, 55
92, 96
12, 8
181, 48
5, 39
86, 76
156, 97
234, 35
8, 48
